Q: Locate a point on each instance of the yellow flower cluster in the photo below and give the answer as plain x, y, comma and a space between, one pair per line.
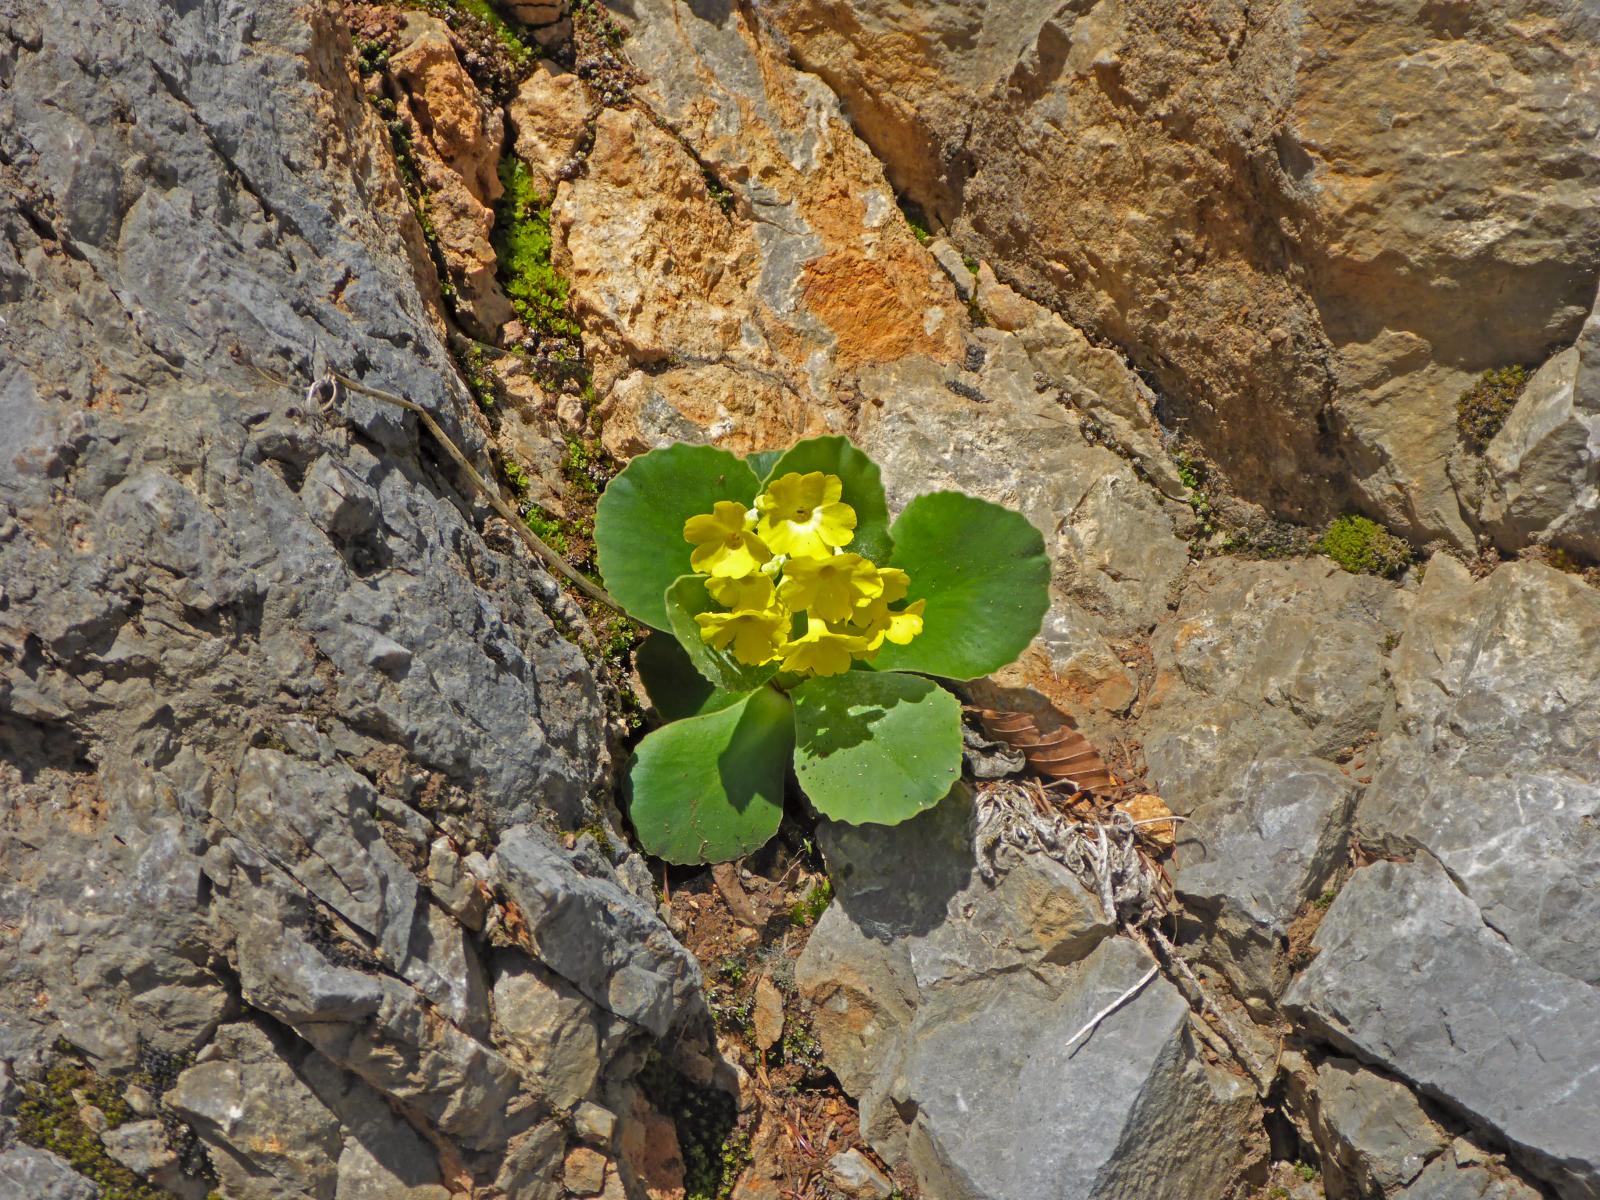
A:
783, 560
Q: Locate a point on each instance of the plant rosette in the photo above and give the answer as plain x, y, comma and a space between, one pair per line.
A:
797, 625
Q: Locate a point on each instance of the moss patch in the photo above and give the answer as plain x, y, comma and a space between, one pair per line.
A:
1484, 407
1364, 547
714, 1149
49, 1116
917, 220
538, 294
810, 909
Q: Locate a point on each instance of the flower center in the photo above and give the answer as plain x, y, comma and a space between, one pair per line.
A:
802, 514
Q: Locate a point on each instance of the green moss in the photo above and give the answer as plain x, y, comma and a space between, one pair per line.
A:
601, 838
522, 244
1484, 407
48, 1117
917, 221
371, 56
1195, 474
1306, 1171
474, 363
719, 192
1364, 547
552, 531
798, 1047
516, 479
808, 910
714, 1149
583, 465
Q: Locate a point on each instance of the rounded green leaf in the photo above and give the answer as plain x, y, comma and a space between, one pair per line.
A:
675, 687
761, 462
686, 597
710, 788
875, 747
983, 572
638, 524
863, 488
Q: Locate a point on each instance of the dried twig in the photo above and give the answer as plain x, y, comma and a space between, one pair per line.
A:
490, 493
1107, 859
1115, 1004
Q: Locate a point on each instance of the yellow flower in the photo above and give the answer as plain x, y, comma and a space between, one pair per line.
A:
896, 583
821, 650
751, 592
876, 623
757, 636
801, 515
829, 587
723, 546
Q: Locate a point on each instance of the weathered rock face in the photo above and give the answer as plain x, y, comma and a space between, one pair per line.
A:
1265, 659
1543, 466
270, 698
1488, 761
1312, 225
945, 1001
1410, 977
290, 734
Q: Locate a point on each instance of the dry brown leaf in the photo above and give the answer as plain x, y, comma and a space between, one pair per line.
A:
768, 1015
1148, 807
1061, 754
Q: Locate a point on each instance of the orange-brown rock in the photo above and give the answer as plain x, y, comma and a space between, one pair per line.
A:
456, 139
548, 115
657, 269
1311, 226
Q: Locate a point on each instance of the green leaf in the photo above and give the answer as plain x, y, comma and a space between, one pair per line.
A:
710, 788
983, 571
638, 524
686, 597
863, 488
875, 748
761, 462
674, 686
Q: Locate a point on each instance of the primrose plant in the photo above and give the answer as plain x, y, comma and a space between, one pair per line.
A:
797, 625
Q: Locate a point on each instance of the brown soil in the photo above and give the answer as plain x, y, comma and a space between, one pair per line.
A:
793, 1116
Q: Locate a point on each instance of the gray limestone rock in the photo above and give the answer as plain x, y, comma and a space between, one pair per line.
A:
1004, 1109
1411, 978
383, 1156
1372, 1134
259, 650
952, 264
141, 1146
1265, 658
29, 1174
1490, 758
1544, 464
1248, 860
943, 1003
600, 938
316, 823
269, 1137
1464, 1172
543, 1023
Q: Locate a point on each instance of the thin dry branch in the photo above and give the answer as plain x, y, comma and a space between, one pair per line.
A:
1115, 1004
490, 493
